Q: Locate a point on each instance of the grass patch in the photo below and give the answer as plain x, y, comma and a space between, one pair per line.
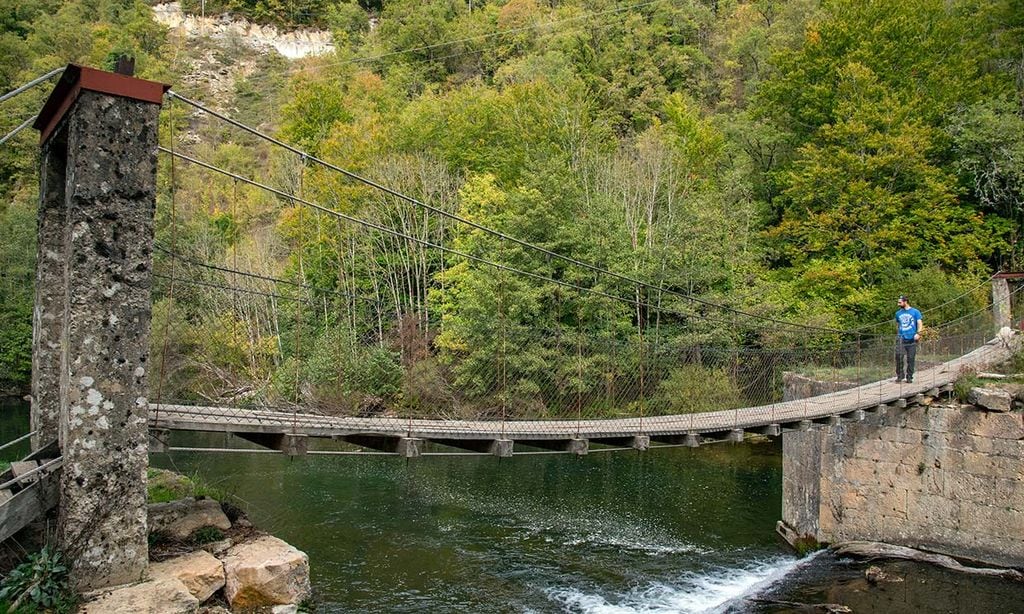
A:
207, 535
165, 486
4, 465
1016, 363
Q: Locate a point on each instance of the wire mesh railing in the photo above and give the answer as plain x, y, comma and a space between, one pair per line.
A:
232, 353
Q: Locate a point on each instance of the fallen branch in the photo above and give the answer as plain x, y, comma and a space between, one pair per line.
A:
986, 375
828, 608
877, 550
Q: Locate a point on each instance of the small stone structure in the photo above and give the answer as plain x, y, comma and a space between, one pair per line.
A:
946, 478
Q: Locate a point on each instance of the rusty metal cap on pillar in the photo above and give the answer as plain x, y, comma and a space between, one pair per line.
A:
77, 79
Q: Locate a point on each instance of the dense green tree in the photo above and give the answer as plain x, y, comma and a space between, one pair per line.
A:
988, 148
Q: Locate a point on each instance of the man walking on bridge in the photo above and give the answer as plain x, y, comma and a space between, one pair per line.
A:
909, 326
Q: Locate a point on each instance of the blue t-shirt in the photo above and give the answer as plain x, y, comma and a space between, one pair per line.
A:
906, 322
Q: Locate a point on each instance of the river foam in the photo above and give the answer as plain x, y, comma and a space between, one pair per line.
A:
713, 591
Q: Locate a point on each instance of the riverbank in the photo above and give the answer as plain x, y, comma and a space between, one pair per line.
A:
206, 556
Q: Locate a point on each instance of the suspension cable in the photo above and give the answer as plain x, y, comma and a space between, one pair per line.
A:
25, 124
430, 244
496, 233
216, 286
930, 309
31, 84
251, 275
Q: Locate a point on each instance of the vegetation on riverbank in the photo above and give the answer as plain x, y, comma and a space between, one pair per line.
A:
38, 585
802, 160
163, 486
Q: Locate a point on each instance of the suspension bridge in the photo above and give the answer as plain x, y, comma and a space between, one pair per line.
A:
402, 436
123, 324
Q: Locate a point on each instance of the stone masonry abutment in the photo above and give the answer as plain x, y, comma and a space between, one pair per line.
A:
946, 478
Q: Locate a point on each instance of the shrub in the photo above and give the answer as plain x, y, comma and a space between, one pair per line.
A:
40, 584
964, 382
340, 367
695, 388
424, 388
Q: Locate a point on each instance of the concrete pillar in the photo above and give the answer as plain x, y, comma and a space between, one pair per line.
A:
106, 125
502, 448
295, 445
1001, 303
801, 480
48, 313
409, 447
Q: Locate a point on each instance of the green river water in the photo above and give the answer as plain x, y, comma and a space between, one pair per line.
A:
672, 530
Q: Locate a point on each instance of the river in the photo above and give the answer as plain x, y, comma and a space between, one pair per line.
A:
672, 530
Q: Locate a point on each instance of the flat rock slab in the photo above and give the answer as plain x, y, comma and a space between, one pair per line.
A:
180, 519
200, 572
162, 596
992, 399
265, 572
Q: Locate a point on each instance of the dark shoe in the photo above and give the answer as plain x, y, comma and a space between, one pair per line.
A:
910, 380
898, 380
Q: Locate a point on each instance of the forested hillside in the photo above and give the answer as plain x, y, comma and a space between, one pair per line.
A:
805, 161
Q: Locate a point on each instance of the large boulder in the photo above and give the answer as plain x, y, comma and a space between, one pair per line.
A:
992, 399
160, 596
179, 519
265, 572
200, 572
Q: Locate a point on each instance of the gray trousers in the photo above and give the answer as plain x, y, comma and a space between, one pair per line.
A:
905, 348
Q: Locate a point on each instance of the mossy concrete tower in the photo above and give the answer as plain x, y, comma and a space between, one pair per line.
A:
92, 320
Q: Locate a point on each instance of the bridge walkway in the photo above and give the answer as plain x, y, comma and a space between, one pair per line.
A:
272, 428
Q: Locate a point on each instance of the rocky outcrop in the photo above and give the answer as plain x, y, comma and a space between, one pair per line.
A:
992, 399
200, 572
159, 596
292, 45
179, 519
265, 572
